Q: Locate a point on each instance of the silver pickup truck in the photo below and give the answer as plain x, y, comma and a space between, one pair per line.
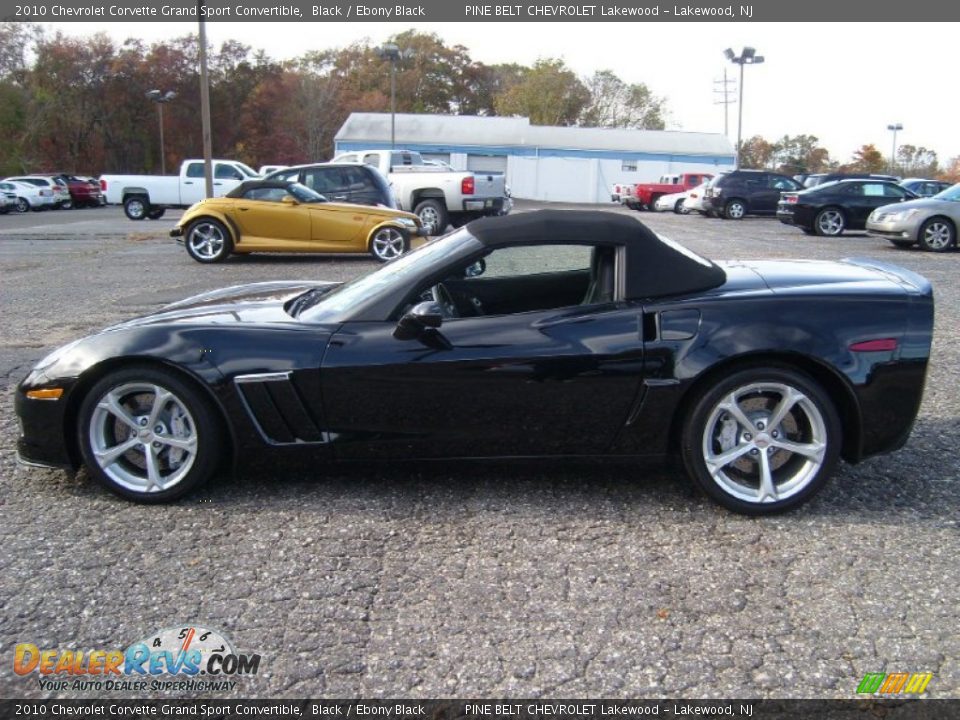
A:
438, 195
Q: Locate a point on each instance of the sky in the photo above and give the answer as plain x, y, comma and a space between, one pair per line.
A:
843, 82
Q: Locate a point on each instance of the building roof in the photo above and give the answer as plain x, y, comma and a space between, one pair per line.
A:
517, 132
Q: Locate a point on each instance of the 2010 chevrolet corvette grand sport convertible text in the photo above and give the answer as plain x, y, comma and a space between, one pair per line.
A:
543, 334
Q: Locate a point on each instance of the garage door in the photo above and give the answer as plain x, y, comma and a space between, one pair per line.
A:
487, 163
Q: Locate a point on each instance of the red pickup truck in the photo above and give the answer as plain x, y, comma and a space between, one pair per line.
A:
646, 194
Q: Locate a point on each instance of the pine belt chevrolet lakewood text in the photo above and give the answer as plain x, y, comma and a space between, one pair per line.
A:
544, 334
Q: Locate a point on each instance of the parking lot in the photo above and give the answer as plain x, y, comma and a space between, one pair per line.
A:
462, 580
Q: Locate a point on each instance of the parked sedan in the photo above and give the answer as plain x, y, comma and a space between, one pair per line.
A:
930, 222
673, 201
837, 206
59, 190
513, 337
284, 216
29, 197
84, 191
342, 182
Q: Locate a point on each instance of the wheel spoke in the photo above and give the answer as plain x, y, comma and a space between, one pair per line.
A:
715, 463
160, 399
112, 405
730, 405
767, 488
154, 479
110, 455
189, 444
790, 398
814, 450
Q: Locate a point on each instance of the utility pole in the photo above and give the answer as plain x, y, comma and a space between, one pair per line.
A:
205, 105
725, 93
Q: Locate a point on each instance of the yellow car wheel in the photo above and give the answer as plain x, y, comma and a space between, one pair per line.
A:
208, 240
388, 243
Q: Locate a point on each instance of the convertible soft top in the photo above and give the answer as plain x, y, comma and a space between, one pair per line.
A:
242, 188
655, 267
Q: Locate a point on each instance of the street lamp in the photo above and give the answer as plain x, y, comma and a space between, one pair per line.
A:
748, 56
893, 153
391, 52
161, 98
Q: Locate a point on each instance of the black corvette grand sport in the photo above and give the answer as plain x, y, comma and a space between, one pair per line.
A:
541, 334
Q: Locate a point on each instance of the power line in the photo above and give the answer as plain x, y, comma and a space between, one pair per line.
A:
727, 93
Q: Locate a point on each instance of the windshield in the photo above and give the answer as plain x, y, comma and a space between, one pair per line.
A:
393, 273
305, 194
246, 170
951, 193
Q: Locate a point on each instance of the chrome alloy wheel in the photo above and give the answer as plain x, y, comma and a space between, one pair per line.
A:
387, 244
830, 222
937, 235
143, 437
206, 240
736, 210
764, 442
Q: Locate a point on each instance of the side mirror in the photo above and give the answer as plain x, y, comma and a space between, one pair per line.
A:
289, 200
427, 314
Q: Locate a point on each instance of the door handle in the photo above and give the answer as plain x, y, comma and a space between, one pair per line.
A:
243, 209
188, 182
218, 183
339, 197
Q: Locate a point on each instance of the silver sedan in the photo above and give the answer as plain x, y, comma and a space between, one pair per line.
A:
932, 222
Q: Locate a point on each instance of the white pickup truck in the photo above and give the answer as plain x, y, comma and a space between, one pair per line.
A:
438, 195
148, 196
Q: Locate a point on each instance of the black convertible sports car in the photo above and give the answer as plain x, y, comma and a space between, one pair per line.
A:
547, 333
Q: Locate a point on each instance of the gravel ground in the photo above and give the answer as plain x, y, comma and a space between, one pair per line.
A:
467, 580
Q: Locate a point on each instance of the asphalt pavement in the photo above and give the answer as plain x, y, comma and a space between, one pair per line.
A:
474, 580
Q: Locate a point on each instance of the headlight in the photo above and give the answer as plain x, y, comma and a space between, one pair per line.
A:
902, 215
407, 222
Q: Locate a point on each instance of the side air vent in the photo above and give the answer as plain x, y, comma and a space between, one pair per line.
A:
276, 408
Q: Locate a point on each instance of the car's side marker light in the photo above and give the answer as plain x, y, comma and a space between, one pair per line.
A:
45, 394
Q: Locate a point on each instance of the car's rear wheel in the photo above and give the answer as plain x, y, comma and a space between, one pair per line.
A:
67, 204
937, 235
23, 205
136, 207
156, 213
208, 241
433, 215
762, 440
148, 435
679, 208
735, 210
830, 222
388, 243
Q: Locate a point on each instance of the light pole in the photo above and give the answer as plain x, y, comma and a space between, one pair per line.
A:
161, 99
748, 56
893, 153
391, 52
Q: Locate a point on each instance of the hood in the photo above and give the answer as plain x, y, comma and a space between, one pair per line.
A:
948, 206
261, 302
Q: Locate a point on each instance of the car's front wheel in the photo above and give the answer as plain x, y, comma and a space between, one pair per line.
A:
937, 235
735, 210
388, 243
830, 222
680, 209
208, 241
762, 440
433, 215
148, 435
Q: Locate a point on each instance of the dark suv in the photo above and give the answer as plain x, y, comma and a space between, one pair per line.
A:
342, 182
746, 192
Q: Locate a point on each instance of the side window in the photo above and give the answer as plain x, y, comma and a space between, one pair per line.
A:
779, 183
286, 175
357, 179
852, 188
195, 170
536, 259
323, 180
874, 189
893, 191
369, 159
265, 194
226, 172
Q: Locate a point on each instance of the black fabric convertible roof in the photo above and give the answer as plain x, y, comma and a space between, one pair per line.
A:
654, 267
242, 188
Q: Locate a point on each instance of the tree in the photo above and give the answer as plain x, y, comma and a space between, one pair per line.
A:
952, 173
613, 103
756, 153
549, 93
800, 154
915, 161
867, 159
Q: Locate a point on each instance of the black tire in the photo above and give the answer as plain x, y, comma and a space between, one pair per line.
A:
433, 215
136, 207
937, 235
902, 244
735, 209
679, 209
156, 213
188, 417
830, 222
67, 205
23, 205
388, 242
712, 425
5, 209
208, 241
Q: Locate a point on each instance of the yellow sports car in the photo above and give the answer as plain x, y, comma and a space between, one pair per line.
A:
283, 216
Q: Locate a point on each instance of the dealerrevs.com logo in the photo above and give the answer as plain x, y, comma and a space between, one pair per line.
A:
182, 658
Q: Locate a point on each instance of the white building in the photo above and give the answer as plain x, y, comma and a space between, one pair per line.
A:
563, 164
